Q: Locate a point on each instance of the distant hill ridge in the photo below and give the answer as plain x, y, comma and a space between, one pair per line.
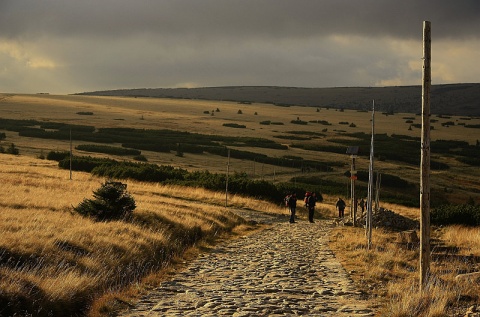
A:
448, 99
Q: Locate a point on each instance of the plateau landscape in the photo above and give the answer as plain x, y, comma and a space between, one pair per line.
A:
192, 158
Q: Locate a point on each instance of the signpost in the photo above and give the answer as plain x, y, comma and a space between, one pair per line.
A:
353, 151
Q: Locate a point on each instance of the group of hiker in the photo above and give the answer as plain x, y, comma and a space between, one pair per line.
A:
310, 201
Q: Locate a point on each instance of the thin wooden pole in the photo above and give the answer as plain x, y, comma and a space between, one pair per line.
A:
226, 182
425, 160
370, 184
71, 154
353, 206
377, 191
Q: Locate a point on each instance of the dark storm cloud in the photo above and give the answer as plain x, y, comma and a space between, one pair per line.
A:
72, 46
242, 18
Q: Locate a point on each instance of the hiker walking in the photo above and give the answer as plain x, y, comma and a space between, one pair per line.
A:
340, 207
362, 205
292, 205
311, 202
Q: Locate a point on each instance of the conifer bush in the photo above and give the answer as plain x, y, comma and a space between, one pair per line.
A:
465, 214
111, 202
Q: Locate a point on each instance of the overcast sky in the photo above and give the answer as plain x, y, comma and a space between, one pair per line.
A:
70, 46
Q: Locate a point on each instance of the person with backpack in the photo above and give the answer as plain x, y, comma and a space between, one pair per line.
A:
362, 205
341, 207
292, 205
311, 202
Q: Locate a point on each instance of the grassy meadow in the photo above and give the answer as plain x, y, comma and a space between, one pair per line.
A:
456, 184
54, 260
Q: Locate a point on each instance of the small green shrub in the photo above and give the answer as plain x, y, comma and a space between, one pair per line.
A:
298, 121
234, 125
57, 156
112, 202
140, 158
12, 150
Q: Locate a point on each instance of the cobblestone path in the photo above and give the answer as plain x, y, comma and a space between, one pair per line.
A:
285, 270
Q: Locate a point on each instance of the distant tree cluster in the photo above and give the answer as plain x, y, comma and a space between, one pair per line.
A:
235, 125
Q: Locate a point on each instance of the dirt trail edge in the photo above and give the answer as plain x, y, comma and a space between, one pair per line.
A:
285, 270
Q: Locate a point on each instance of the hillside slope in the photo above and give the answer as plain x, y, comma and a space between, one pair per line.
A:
453, 99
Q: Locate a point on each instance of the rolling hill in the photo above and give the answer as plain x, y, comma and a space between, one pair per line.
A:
451, 99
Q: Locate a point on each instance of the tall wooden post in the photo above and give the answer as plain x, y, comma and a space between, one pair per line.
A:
425, 161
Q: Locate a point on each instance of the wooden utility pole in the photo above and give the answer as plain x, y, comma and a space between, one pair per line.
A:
425, 161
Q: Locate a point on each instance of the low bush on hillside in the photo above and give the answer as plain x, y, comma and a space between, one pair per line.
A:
323, 122
111, 202
140, 158
321, 148
472, 161
292, 137
11, 149
239, 183
468, 215
235, 125
299, 122
107, 149
309, 133
387, 180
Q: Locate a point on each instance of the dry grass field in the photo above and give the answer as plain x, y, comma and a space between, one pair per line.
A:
389, 271
52, 259
61, 261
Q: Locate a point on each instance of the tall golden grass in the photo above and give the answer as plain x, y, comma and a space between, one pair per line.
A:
53, 260
388, 272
